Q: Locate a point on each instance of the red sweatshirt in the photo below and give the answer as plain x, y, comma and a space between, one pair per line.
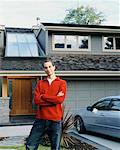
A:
45, 97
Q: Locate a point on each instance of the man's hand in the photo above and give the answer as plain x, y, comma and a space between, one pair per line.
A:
60, 93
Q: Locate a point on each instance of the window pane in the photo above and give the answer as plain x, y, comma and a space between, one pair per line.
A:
21, 37
71, 42
21, 44
83, 42
117, 43
59, 41
33, 49
12, 50
108, 43
24, 49
30, 38
104, 105
115, 105
11, 38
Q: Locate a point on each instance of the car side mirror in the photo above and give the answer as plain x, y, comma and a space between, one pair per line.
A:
89, 108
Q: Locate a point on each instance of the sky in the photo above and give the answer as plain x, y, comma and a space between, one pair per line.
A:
23, 13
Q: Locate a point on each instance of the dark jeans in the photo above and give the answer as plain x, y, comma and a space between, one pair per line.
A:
40, 127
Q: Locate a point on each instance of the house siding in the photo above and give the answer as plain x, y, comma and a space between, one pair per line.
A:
96, 44
0, 87
50, 43
42, 39
1, 39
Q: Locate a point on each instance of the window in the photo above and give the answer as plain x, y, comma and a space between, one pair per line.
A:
115, 104
83, 42
108, 43
21, 45
103, 105
111, 43
71, 42
117, 43
59, 41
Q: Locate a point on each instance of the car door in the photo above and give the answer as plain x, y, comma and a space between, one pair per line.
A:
99, 115
113, 121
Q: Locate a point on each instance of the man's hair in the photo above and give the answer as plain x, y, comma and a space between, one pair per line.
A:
49, 60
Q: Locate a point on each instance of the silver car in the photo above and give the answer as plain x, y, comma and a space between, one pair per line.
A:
102, 117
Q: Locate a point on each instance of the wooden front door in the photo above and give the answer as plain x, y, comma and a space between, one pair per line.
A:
21, 97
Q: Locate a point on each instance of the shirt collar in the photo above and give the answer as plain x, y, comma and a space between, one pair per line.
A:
57, 78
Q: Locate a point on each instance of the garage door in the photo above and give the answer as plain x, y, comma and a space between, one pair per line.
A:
83, 93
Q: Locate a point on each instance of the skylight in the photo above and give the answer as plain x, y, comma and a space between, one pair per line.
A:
21, 45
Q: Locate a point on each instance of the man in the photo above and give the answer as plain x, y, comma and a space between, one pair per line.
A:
49, 95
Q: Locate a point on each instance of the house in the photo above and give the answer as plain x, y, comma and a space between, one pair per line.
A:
86, 56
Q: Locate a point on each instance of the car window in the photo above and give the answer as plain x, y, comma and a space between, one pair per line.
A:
115, 104
102, 105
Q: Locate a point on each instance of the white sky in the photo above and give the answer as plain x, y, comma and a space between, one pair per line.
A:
23, 13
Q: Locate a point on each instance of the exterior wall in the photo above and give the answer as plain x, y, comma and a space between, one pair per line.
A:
4, 110
1, 46
95, 43
50, 43
1, 39
0, 87
42, 39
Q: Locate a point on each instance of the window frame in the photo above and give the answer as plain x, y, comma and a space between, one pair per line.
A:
77, 49
114, 44
115, 107
102, 101
26, 43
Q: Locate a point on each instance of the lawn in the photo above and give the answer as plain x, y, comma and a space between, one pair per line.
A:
23, 147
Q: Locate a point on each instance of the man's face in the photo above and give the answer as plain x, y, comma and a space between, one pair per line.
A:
49, 68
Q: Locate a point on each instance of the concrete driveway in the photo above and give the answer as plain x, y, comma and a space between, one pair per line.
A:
15, 132
101, 143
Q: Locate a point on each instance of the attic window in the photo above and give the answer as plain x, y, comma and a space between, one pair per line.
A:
111, 43
59, 41
83, 42
71, 42
21, 45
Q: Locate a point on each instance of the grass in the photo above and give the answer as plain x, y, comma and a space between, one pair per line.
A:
23, 147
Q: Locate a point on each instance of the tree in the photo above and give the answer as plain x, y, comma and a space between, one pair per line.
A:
83, 15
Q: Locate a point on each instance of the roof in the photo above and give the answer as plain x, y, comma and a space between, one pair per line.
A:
65, 62
68, 62
19, 30
78, 25
81, 28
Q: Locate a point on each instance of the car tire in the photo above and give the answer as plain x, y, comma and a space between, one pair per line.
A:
79, 124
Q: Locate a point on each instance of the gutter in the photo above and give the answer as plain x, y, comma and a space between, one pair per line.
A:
82, 29
61, 73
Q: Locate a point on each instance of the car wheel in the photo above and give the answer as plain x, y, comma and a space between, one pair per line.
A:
79, 125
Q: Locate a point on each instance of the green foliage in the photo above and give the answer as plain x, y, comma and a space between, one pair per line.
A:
83, 15
68, 141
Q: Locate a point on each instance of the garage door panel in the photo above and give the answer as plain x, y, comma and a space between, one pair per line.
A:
83, 93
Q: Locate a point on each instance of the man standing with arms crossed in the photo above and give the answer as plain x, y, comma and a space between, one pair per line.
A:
49, 95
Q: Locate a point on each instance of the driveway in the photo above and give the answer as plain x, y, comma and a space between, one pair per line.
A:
18, 133
97, 141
